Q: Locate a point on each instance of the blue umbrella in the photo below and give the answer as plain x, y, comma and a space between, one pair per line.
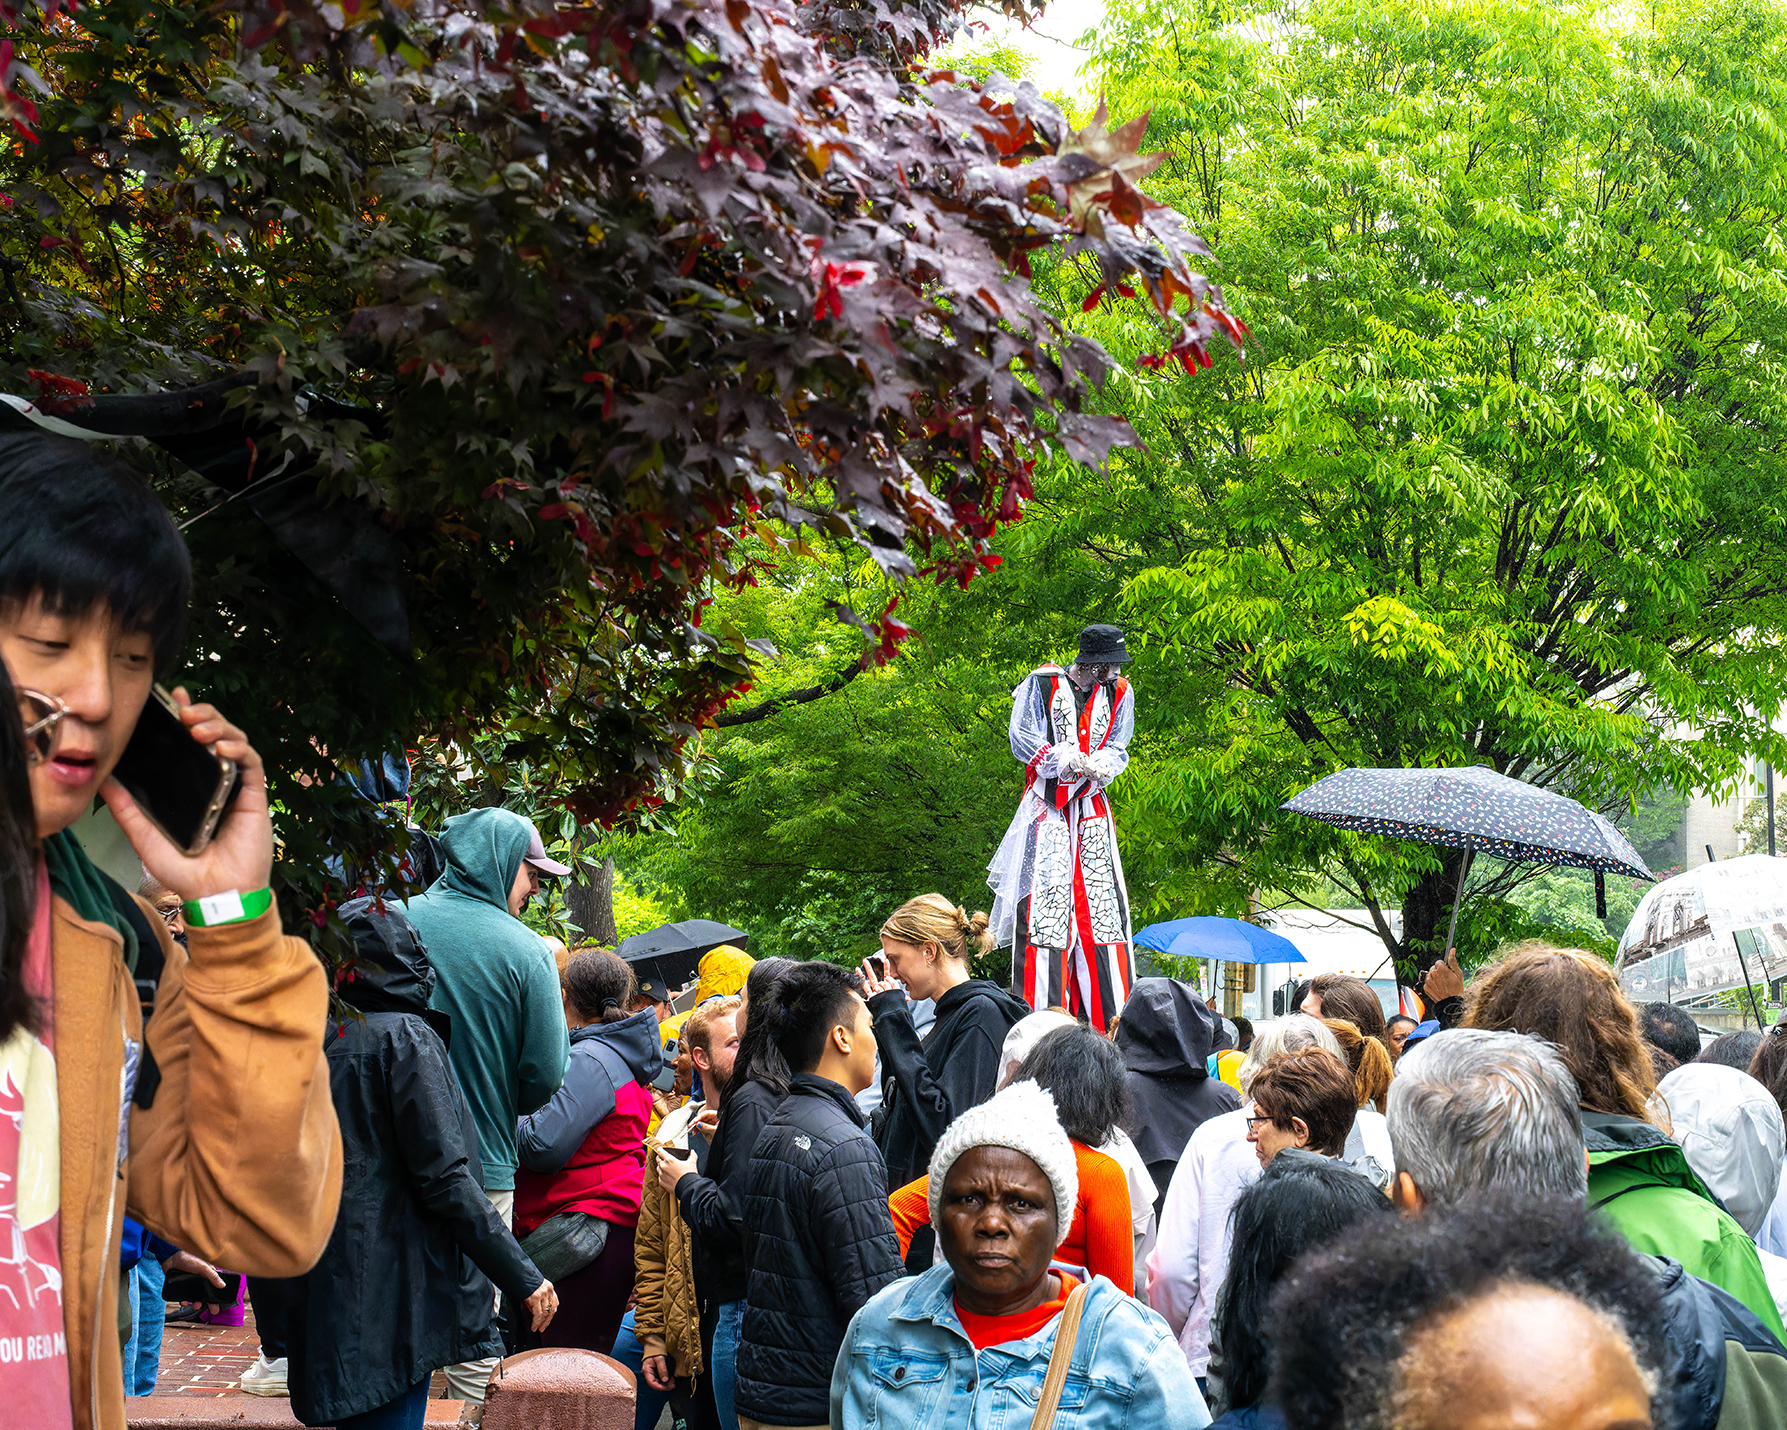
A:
1231, 940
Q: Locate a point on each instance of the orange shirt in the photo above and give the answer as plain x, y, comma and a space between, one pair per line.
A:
986, 1331
1102, 1235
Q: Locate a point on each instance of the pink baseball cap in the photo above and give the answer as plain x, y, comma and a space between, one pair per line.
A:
536, 856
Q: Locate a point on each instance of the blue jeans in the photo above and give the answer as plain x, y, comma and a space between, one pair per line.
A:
627, 1350
142, 1352
729, 1324
403, 1413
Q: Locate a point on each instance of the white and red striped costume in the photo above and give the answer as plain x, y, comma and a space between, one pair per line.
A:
1059, 899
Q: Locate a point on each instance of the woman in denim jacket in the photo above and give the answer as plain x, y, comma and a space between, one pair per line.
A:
966, 1345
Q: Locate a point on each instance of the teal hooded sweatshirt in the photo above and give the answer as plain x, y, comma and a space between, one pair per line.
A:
496, 980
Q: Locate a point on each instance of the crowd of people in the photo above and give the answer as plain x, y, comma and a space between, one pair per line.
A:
888, 1196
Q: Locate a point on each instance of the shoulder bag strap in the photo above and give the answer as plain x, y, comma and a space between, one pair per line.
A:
1065, 1335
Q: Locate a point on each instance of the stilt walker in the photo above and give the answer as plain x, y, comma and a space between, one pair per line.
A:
1059, 900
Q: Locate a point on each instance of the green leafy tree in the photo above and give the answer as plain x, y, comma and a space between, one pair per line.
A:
1501, 482
839, 790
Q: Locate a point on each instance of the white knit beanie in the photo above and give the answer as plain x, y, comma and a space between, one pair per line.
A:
1021, 1117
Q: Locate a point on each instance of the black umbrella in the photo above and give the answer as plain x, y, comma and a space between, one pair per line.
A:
1473, 808
670, 955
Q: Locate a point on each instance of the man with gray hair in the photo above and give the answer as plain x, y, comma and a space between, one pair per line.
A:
1473, 1112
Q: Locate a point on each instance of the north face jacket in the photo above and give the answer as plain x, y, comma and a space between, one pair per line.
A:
819, 1241
1641, 1182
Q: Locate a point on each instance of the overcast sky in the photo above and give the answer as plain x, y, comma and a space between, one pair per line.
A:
1049, 41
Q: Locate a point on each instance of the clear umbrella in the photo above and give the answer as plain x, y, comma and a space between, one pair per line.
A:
1718, 927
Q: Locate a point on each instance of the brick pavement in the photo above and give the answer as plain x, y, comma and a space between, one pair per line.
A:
206, 1360
209, 1360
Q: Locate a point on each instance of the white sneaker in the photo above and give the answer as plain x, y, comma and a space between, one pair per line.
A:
265, 1377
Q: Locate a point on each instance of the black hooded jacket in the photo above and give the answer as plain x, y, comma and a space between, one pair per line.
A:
604, 1058
401, 1288
926, 1085
1166, 1036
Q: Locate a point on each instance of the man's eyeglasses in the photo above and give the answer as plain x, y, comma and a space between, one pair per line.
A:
41, 714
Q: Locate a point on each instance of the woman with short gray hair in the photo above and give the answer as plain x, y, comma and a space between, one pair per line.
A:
1191, 1254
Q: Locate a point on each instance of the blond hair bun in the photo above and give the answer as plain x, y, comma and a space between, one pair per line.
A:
931, 918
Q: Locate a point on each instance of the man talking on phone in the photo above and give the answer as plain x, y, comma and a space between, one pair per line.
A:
214, 1127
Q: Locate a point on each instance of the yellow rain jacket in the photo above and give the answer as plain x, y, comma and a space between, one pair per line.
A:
723, 972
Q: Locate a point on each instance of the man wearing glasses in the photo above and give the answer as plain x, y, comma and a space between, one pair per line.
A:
214, 1127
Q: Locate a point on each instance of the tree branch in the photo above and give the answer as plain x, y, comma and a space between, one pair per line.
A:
793, 697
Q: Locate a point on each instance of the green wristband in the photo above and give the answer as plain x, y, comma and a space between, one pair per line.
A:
230, 907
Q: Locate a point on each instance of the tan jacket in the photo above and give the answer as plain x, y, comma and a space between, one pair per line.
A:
238, 1159
665, 1318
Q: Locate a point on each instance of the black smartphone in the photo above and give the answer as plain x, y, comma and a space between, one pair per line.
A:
190, 1286
878, 962
182, 787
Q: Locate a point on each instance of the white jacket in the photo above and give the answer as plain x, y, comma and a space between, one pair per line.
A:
1191, 1253
1729, 1126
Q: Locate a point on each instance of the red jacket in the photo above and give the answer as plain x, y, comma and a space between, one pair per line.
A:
585, 1150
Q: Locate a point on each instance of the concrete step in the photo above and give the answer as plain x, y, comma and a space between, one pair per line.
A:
205, 1412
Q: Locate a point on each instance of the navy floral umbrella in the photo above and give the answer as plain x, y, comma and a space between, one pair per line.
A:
1475, 809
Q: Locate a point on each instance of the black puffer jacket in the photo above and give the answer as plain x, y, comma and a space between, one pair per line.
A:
820, 1242
401, 1289
926, 1085
713, 1202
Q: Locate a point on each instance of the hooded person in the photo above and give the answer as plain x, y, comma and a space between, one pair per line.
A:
582, 1176
498, 982
413, 1210
1166, 1036
495, 979
722, 974
1732, 1132
1730, 1129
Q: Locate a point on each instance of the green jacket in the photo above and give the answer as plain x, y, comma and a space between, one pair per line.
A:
1641, 1182
497, 982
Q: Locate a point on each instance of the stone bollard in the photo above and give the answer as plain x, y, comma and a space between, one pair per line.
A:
560, 1390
